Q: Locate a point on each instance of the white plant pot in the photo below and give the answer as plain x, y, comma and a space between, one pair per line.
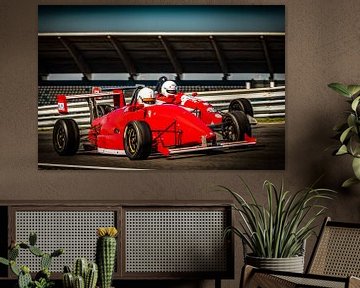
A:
291, 264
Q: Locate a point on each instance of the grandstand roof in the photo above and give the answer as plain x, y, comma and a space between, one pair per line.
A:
178, 53
176, 39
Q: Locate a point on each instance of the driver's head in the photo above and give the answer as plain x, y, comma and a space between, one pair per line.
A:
146, 96
169, 89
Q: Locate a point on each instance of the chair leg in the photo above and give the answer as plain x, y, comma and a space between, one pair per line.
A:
268, 281
246, 274
250, 278
354, 282
217, 282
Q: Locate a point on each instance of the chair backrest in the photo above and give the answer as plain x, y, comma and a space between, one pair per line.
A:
337, 251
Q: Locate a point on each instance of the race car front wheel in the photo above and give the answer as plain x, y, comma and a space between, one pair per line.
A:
66, 137
241, 104
235, 125
137, 140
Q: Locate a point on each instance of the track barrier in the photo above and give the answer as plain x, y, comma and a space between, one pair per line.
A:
266, 102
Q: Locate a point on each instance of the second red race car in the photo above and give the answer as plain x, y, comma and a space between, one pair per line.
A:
167, 92
141, 127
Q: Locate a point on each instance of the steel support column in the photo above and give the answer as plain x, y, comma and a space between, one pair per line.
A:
172, 56
124, 56
267, 57
220, 57
78, 58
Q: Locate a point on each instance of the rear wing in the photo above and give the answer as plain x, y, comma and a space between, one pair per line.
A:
96, 94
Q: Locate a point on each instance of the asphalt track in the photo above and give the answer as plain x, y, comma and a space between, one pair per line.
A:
267, 154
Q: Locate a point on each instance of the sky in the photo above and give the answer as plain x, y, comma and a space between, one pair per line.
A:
156, 18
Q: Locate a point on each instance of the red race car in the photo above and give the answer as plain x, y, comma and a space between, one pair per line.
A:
142, 127
167, 92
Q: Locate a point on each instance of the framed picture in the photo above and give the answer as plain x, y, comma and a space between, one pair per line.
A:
161, 87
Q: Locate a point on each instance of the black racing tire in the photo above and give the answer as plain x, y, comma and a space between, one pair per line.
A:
235, 125
137, 140
241, 104
104, 109
66, 137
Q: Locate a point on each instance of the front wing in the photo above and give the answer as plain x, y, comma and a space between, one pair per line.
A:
218, 146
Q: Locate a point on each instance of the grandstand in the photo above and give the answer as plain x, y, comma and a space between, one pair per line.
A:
47, 93
233, 55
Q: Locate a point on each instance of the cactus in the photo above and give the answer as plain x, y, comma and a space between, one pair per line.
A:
57, 252
87, 272
68, 280
24, 245
67, 269
24, 278
44, 273
105, 254
80, 268
13, 253
45, 261
32, 239
42, 278
79, 282
14, 268
91, 276
36, 251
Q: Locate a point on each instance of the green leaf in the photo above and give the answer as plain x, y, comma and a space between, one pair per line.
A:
342, 150
354, 146
349, 182
345, 134
340, 88
353, 90
355, 103
356, 167
351, 121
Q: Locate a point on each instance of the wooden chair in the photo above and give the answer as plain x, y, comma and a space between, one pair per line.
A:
334, 263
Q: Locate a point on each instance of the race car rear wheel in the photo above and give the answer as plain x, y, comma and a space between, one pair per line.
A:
235, 125
104, 109
137, 140
241, 104
66, 137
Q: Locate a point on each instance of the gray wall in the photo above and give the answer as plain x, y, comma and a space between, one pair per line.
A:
322, 46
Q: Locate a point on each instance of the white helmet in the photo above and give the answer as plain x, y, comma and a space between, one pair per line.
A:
169, 88
146, 96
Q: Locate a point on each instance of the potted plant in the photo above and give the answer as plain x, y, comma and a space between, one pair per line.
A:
106, 254
42, 278
87, 274
349, 132
276, 233
84, 274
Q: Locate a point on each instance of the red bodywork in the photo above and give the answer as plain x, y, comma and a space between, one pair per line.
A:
171, 126
201, 109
